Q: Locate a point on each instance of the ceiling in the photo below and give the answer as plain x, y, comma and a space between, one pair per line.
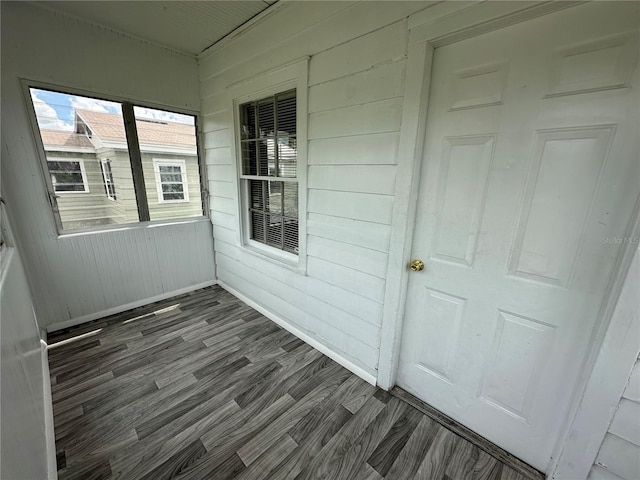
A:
186, 26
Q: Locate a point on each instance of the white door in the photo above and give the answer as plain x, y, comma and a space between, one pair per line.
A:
529, 179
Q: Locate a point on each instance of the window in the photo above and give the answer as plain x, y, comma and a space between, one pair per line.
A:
269, 157
171, 180
68, 175
91, 144
107, 175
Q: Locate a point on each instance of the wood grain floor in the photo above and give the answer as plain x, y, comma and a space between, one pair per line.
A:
201, 386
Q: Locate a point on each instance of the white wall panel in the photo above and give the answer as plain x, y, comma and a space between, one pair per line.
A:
358, 55
374, 149
632, 391
350, 178
348, 230
358, 206
78, 276
356, 75
619, 457
377, 117
25, 416
379, 83
626, 421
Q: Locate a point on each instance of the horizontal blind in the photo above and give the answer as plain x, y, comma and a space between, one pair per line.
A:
269, 169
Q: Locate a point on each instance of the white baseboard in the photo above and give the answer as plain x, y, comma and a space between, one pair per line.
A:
123, 308
52, 465
360, 372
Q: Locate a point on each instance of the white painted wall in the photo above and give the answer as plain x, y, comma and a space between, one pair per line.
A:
356, 82
26, 421
619, 455
82, 277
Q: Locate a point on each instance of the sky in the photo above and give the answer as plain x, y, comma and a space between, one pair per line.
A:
55, 110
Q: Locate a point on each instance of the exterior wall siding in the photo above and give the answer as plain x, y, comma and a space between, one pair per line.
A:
84, 205
619, 456
164, 211
356, 84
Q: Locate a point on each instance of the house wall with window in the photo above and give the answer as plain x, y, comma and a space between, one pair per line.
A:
190, 203
357, 61
89, 205
83, 276
123, 209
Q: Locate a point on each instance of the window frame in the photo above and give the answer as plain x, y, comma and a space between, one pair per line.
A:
83, 173
293, 76
269, 180
108, 181
54, 211
168, 162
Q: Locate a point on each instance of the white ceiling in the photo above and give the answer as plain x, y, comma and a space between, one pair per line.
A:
186, 26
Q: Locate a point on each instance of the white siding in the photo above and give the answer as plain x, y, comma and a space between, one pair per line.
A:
619, 456
75, 277
356, 77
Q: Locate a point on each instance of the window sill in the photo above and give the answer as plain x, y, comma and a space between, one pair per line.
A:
130, 226
277, 257
172, 202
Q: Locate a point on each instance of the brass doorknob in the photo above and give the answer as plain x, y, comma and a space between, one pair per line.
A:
417, 265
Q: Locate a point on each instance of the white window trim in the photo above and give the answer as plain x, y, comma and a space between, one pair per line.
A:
157, 163
104, 161
83, 172
287, 77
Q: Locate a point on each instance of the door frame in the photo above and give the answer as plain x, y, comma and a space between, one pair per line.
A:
438, 25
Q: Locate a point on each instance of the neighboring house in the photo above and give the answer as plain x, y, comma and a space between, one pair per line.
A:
91, 172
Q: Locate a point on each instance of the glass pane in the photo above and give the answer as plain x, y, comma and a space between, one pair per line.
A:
249, 158
176, 134
66, 176
248, 121
274, 231
173, 196
169, 169
170, 177
287, 157
257, 227
256, 192
275, 197
290, 199
72, 129
266, 125
286, 103
266, 159
107, 174
291, 235
172, 187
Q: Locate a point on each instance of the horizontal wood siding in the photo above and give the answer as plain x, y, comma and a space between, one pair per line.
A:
356, 77
619, 456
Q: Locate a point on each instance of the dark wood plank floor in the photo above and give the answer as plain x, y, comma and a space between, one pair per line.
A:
203, 387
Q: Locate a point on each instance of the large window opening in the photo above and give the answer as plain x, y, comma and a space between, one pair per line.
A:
92, 145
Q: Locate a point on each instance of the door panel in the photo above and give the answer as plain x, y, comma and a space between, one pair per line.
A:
530, 165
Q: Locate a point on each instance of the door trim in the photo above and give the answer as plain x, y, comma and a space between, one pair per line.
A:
442, 24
